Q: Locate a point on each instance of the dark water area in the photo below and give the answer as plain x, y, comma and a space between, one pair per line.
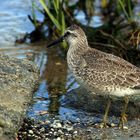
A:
55, 79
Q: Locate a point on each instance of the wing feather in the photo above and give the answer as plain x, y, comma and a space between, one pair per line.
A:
106, 69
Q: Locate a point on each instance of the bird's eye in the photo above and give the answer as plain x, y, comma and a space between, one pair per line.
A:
67, 33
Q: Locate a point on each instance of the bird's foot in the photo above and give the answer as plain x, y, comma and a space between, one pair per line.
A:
104, 124
123, 120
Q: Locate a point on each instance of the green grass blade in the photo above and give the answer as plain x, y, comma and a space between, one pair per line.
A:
123, 8
33, 14
63, 23
56, 23
36, 7
55, 7
130, 8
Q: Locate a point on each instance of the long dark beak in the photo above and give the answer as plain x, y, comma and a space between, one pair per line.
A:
56, 41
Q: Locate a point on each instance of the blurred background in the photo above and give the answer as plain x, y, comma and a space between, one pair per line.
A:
27, 26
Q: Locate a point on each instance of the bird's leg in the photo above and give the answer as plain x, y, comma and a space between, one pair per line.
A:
106, 113
123, 117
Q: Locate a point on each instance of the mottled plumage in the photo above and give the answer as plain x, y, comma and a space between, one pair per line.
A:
100, 72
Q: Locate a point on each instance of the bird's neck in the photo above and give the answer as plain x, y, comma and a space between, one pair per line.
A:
76, 49
78, 46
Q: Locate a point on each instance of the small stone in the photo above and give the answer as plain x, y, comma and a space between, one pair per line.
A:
43, 136
75, 132
35, 136
52, 129
57, 125
66, 134
35, 126
24, 133
58, 138
88, 130
101, 125
41, 122
31, 132
50, 132
55, 133
60, 131
69, 128
46, 134
47, 122
42, 129
112, 125
125, 127
29, 135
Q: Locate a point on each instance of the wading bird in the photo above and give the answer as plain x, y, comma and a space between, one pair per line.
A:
100, 72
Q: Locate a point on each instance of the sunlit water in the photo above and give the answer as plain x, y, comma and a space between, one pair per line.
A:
95, 21
14, 23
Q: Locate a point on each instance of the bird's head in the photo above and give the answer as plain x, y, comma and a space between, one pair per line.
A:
72, 35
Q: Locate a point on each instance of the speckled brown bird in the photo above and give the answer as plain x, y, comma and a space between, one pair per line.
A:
100, 72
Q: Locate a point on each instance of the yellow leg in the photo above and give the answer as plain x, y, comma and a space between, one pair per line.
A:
106, 113
123, 118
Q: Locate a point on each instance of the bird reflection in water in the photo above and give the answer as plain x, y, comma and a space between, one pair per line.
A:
56, 76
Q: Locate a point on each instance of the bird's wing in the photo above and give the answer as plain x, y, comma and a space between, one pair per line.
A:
106, 69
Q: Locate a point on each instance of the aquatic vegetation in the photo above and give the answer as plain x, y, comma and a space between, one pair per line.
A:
56, 17
118, 28
127, 8
33, 14
134, 38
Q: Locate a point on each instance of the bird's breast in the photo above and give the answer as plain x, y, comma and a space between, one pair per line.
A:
73, 60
